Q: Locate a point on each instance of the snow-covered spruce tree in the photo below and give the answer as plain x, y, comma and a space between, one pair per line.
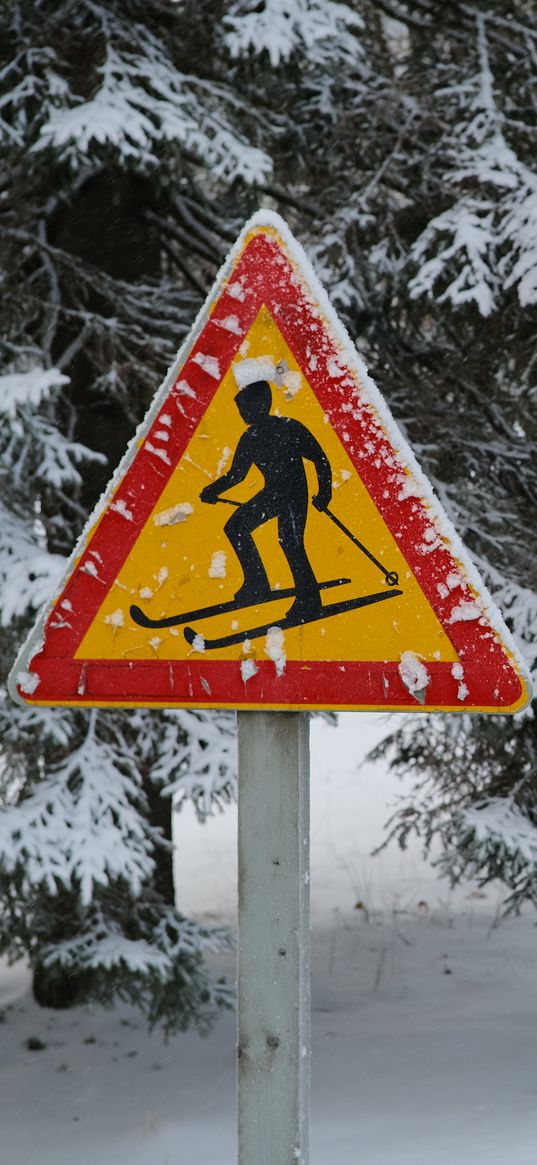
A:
408, 168
110, 126
460, 269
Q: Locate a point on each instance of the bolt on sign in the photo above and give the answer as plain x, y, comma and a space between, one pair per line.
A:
269, 540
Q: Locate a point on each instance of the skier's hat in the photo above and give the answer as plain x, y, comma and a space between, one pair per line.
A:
257, 392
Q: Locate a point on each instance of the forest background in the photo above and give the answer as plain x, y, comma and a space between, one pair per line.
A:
398, 139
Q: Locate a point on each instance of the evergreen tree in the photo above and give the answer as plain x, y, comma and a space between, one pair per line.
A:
107, 120
461, 339
409, 172
397, 138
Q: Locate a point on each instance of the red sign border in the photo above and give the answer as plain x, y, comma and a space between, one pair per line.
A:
265, 273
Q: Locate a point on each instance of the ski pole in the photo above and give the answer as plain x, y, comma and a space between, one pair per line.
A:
391, 577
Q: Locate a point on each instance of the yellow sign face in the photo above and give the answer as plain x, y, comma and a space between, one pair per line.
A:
269, 541
183, 560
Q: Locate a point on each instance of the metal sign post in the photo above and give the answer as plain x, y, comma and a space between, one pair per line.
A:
274, 939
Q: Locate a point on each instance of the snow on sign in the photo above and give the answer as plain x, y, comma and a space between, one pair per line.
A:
269, 541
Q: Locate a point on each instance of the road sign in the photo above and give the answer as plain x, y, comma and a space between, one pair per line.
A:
269, 540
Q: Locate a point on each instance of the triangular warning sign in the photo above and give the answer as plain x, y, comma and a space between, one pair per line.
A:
269, 541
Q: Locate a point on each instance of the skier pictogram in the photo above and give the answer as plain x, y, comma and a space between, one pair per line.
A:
278, 447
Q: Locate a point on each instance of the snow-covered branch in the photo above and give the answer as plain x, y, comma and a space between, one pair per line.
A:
319, 30
486, 241
143, 102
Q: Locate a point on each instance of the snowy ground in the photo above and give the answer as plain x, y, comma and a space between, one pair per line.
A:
424, 1016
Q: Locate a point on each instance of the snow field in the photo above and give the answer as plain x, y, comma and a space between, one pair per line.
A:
423, 1014
423, 1053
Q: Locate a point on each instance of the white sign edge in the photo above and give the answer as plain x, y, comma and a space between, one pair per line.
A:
270, 219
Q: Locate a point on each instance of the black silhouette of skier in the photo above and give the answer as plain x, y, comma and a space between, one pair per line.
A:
278, 446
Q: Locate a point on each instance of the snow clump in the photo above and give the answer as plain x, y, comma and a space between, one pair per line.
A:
275, 650
217, 569
248, 669
414, 675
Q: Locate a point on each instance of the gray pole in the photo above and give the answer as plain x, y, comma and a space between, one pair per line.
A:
274, 939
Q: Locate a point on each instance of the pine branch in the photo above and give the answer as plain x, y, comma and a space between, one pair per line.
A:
289, 199
193, 220
181, 235
179, 261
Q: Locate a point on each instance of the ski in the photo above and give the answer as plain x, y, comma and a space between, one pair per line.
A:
144, 620
286, 623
